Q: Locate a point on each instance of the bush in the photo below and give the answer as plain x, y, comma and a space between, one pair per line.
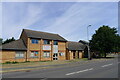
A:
14, 62
8, 62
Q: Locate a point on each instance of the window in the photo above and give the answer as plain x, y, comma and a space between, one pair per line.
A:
34, 41
46, 42
34, 54
46, 54
55, 42
19, 54
61, 54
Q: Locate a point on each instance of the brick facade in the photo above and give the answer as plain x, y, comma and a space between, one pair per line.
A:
41, 50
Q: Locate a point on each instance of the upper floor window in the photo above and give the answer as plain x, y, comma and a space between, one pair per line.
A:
34, 41
46, 42
55, 42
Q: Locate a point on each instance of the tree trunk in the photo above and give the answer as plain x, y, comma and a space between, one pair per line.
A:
105, 55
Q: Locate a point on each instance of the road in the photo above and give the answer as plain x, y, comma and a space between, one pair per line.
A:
90, 69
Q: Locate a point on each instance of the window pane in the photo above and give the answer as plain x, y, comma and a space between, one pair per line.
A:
61, 54
34, 41
34, 54
55, 42
46, 54
46, 42
19, 54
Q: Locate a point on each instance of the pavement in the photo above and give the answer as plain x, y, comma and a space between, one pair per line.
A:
85, 69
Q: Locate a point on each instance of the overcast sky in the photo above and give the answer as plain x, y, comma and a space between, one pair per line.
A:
69, 19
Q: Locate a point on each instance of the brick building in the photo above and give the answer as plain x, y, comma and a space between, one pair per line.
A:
41, 46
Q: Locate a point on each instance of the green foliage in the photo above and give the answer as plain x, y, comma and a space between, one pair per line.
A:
8, 62
13, 62
105, 40
1, 40
9, 40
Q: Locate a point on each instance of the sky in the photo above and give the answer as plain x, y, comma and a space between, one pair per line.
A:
68, 19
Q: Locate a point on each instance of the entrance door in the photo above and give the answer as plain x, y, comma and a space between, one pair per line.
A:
74, 55
78, 54
55, 56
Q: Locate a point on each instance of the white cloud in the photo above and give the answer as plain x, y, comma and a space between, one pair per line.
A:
72, 24
24, 19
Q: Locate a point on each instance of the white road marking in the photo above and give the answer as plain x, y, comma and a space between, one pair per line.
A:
80, 71
107, 65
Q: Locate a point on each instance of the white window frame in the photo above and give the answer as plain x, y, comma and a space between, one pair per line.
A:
46, 54
19, 54
32, 54
61, 54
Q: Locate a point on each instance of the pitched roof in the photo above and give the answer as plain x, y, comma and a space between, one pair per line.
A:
84, 42
14, 45
43, 35
75, 46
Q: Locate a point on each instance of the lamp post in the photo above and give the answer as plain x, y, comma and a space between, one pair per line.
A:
89, 56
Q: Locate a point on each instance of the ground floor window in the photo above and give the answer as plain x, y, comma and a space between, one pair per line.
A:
19, 54
34, 54
55, 56
46, 54
61, 54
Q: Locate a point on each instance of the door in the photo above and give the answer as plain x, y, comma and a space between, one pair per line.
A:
55, 56
73, 54
78, 54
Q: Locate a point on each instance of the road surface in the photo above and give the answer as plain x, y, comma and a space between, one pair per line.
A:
89, 69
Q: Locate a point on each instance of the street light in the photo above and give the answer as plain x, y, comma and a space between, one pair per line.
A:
89, 56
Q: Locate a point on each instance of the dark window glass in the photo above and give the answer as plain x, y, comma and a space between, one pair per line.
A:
55, 42
46, 42
34, 41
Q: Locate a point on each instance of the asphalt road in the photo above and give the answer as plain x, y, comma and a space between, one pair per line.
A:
90, 69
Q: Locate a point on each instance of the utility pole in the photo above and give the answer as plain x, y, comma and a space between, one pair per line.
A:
89, 56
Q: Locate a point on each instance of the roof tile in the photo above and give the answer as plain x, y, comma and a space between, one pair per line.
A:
43, 35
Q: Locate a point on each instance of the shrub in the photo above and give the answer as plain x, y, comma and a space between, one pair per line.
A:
27, 61
8, 62
14, 62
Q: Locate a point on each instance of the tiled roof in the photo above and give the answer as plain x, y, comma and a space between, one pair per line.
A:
75, 46
43, 35
84, 42
14, 45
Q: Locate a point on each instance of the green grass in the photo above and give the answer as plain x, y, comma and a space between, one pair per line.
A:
15, 62
76, 60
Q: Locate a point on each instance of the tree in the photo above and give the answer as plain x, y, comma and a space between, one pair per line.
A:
116, 47
105, 40
1, 40
9, 40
